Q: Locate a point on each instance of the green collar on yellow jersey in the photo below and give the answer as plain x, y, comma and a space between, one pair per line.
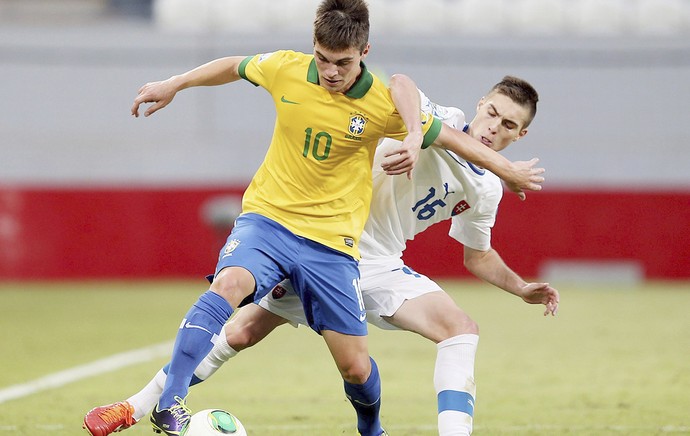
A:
358, 90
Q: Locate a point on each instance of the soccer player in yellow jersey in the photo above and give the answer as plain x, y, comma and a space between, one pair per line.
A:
304, 211
316, 177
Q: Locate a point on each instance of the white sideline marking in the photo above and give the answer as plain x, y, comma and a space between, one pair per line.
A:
101, 366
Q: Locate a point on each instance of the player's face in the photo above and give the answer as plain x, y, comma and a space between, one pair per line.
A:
499, 121
338, 70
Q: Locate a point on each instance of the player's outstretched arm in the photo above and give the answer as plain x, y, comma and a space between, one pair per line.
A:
407, 101
490, 267
519, 175
217, 72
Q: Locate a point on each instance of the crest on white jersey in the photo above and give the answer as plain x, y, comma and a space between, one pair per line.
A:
460, 208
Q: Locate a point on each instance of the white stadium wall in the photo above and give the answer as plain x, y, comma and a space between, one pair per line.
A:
87, 190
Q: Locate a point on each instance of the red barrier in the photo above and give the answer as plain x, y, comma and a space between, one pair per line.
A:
116, 233
652, 228
166, 232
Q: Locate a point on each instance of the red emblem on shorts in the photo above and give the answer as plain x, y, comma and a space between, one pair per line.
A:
278, 292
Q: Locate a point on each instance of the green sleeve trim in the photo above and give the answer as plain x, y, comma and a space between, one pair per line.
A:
433, 132
241, 69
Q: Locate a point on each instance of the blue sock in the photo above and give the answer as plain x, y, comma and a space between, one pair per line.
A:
194, 340
194, 381
366, 399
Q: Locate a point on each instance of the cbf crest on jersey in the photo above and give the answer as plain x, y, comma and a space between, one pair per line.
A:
356, 126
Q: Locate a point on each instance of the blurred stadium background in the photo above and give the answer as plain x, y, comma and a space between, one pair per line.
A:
87, 191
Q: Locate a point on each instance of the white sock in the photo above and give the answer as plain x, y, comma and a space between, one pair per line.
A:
454, 384
146, 399
219, 354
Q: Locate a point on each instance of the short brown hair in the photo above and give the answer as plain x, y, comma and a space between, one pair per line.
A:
342, 24
521, 92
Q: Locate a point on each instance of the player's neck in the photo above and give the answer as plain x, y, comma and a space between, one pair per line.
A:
354, 82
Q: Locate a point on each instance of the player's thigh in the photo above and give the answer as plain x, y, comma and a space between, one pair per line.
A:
327, 283
434, 315
351, 355
249, 325
283, 302
386, 285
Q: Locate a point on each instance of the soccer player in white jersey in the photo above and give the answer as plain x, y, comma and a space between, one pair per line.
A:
312, 195
444, 186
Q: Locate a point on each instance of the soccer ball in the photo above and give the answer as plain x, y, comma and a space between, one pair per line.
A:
214, 422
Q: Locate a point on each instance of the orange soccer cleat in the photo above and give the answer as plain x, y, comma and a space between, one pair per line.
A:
103, 420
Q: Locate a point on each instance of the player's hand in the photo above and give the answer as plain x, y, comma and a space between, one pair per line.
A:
541, 293
159, 93
525, 177
403, 159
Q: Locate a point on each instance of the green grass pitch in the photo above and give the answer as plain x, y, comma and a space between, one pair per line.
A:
615, 361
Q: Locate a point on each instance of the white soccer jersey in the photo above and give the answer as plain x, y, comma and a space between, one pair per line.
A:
443, 186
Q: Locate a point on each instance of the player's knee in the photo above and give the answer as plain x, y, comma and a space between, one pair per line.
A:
227, 281
233, 284
240, 339
459, 323
471, 327
356, 371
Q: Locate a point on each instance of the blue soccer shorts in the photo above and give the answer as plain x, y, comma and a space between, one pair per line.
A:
326, 280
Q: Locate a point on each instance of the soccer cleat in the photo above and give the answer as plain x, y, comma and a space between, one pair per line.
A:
172, 421
103, 420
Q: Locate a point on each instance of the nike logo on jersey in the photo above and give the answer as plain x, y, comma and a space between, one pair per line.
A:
285, 100
362, 317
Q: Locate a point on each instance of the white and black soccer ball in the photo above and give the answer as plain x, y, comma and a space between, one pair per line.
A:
214, 422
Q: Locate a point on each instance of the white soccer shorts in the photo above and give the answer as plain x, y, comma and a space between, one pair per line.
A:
385, 283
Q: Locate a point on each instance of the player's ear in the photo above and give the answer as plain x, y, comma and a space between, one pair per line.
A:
522, 133
365, 52
480, 103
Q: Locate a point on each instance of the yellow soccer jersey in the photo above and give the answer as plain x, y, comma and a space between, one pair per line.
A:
316, 177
